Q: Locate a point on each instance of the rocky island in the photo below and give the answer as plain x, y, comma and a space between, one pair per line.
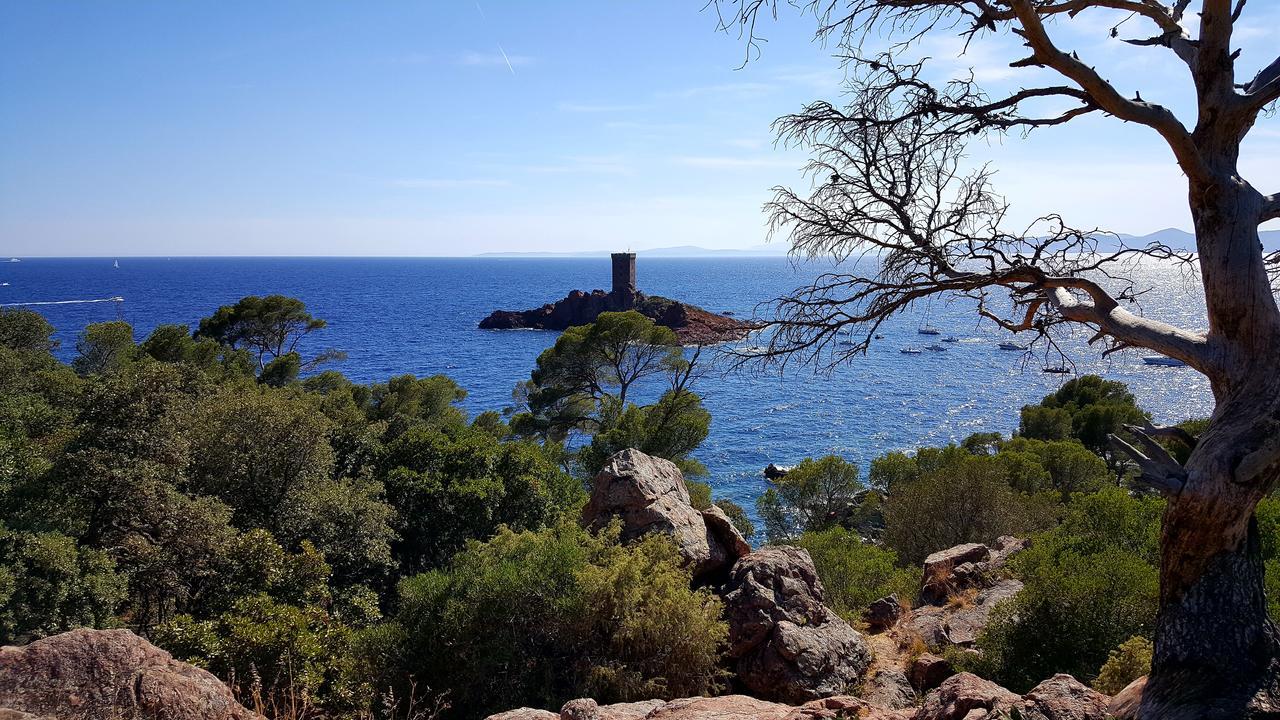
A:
692, 324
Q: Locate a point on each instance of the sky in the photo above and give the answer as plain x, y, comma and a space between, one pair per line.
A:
451, 127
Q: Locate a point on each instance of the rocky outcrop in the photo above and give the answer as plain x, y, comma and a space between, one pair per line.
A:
889, 688
525, 713
883, 613
92, 674
692, 324
784, 642
648, 494
969, 697
959, 588
1127, 702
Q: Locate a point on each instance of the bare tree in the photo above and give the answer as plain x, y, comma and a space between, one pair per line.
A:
892, 200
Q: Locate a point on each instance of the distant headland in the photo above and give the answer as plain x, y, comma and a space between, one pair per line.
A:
692, 324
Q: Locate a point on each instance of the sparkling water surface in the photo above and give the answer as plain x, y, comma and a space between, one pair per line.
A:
418, 315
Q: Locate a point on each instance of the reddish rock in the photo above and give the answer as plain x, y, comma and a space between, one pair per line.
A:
525, 713
1062, 697
630, 711
1124, 706
962, 694
649, 495
725, 707
958, 624
108, 673
939, 579
784, 642
928, 672
842, 707
883, 613
580, 709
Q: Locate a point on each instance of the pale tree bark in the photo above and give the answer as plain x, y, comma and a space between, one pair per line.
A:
892, 201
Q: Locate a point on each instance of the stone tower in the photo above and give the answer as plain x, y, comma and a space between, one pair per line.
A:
624, 279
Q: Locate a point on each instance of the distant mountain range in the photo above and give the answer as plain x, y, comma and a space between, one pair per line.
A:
1172, 237
774, 250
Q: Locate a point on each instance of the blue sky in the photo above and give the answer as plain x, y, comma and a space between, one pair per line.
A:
399, 128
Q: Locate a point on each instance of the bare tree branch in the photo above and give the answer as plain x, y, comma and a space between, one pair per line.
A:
1157, 469
1157, 117
1265, 88
1270, 208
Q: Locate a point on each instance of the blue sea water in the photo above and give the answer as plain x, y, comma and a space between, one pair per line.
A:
418, 315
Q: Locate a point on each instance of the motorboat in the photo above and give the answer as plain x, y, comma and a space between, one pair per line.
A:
951, 339
910, 351
935, 348
1058, 370
1011, 346
1163, 361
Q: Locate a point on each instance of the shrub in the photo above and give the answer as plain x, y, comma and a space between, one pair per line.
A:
1128, 662
809, 497
856, 573
48, 585
1091, 583
539, 617
967, 499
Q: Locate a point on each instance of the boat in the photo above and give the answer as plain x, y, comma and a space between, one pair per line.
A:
1058, 370
910, 351
14, 260
117, 264
879, 336
1011, 346
929, 330
935, 348
1163, 361
951, 339
848, 342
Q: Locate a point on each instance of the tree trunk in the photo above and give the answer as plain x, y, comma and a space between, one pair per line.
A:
1217, 654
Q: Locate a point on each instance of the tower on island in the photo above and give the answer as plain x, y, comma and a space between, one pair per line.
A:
624, 279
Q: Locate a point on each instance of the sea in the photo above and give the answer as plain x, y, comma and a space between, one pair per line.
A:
419, 315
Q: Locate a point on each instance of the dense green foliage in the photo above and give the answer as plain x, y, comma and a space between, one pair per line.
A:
1128, 662
855, 572
538, 618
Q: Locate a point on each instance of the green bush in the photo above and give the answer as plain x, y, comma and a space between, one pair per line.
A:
48, 585
856, 573
539, 617
1091, 583
1128, 662
809, 497
967, 498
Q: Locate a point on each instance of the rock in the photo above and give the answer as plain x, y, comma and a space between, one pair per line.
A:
630, 711
928, 671
725, 707
883, 613
844, 706
966, 567
649, 495
1125, 705
692, 324
525, 713
1062, 697
890, 689
85, 674
963, 694
960, 623
580, 709
939, 579
774, 472
784, 643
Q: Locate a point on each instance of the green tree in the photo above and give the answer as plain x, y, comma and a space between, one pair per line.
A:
269, 327
104, 347
25, 330
48, 584
811, 496
1086, 408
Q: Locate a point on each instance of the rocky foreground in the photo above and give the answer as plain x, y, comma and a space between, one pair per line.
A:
692, 324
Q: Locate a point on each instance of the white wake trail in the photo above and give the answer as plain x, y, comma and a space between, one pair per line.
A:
63, 302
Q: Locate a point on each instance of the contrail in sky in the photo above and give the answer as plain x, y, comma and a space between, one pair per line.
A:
505, 59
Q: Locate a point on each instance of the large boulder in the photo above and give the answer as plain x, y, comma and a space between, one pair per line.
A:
960, 695
889, 688
725, 707
784, 642
525, 713
101, 674
1062, 697
648, 494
